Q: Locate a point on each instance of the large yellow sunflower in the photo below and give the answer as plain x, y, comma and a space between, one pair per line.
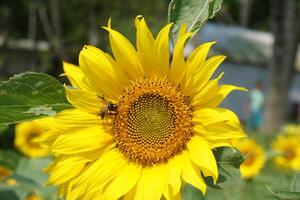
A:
254, 156
27, 132
141, 126
288, 149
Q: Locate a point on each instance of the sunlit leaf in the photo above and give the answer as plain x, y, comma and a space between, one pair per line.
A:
193, 13
228, 161
30, 95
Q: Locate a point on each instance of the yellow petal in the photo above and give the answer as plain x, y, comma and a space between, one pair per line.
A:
101, 172
169, 196
208, 116
125, 54
177, 196
195, 62
82, 140
192, 175
198, 57
119, 72
99, 72
84, 100
174, 173
130, 195
178, 66
124, 182
201, 154
66, 168
220, 131
162, 51
152, 182
222, 93
75, 118
75, 75
200, 79
145, 46
220, 143
205, 94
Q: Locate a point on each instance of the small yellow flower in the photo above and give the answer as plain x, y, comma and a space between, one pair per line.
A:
4, 173
254, 158
27, 132
142, 125
288, 149
11, 182
33, 197
291, 129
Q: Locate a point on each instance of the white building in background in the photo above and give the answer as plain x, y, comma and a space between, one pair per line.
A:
248, 54
19, 55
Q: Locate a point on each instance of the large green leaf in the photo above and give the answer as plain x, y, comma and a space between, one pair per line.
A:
8, 195
29, 96
228, 161
294, 194
2, 129
285, 195
193, 13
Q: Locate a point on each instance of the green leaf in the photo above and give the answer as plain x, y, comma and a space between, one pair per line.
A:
193, 13
228, 161
295, 185
31, 178
9, 159
285, 195
33, 169
2, 129
191, 193
8, 194
29, 96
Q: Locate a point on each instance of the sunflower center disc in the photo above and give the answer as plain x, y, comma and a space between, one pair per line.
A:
153, 123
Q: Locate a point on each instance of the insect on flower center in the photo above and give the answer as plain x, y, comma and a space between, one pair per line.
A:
153, 122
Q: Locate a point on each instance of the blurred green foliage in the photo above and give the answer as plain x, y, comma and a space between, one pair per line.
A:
75, 19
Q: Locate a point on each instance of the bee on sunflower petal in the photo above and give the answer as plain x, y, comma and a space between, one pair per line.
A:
109, 108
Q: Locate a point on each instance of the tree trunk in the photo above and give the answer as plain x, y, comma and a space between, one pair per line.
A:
93, 27
51, 31
245, 12
55, 17
32, 21
281, 69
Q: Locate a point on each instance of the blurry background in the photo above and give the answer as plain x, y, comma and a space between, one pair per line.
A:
259, 38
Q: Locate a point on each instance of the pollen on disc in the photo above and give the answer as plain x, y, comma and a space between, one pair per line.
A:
153, 122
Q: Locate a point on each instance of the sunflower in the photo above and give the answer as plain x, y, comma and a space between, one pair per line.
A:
254, 156
27, 132
288, 150
141, 126
292, 129
11, 182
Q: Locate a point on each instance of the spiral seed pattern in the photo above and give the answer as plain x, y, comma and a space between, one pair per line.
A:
153, 122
